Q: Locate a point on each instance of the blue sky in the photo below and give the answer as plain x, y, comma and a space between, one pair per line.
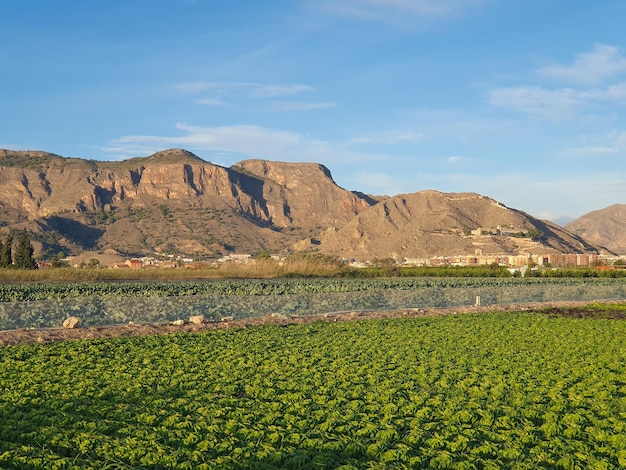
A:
520, 100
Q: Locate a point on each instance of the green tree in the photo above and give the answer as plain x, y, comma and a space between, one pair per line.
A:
387, 265
536, 235
24, 253
58, 262
6, 253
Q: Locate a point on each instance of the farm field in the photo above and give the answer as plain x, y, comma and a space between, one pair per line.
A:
46, 305
490, 390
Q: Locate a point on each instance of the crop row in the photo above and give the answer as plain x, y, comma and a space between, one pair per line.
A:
500, 390
54, 291
293, 298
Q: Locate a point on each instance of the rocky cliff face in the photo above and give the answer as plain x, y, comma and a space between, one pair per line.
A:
174, 201
302, 194
605, 227
58, 185
154, 202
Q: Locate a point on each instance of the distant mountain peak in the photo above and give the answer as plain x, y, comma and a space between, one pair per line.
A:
174, 156
605, 227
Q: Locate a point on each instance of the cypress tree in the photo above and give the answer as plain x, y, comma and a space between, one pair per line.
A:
6, 253
24, 253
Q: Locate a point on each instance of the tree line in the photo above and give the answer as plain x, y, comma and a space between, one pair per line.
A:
17, 252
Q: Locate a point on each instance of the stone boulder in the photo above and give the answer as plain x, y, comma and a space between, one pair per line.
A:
197, 319
71, 323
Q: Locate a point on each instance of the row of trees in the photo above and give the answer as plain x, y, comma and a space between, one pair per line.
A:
22, 256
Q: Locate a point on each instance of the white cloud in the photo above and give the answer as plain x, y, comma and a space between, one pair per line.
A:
242, 141
454, 159
612, 93
601, 63
593, 151
271, 91
559, 104
400, 11
236, 90
598, 145
211, 102
589, 73
537, 101
389, 138
299, 106
251, 140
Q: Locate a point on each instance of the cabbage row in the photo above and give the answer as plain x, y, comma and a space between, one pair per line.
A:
236, 287
494, 391
245, 299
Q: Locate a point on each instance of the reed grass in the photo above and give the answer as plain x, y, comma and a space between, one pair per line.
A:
258, 269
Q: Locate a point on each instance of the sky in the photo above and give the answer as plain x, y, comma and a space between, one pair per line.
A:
523, 101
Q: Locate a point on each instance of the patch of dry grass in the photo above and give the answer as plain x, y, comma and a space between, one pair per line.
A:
299, 266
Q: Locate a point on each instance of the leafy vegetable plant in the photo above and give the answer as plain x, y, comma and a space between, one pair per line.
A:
501, 390
47, 305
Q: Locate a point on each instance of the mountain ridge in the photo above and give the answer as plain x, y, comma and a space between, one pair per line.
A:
605, 227
449, 224
174, 201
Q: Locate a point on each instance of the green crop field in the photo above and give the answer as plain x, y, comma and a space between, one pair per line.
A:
46, 305
499, 390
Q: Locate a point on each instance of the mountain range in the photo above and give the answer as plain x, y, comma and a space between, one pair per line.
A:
175, 202
605, 227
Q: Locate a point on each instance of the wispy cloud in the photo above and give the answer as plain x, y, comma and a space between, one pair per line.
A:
225, 93
300, 106
595, 81
250, 140
601, 63
400, 11
271, 91
389, 137
599, 145
559, 104
537, 101
194, 87
258, 90
211, 102
240, 141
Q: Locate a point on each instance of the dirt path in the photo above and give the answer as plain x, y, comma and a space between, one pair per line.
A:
15, 337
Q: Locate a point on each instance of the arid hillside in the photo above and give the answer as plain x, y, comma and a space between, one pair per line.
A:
605, 227
172, 201
432, 223
175, 202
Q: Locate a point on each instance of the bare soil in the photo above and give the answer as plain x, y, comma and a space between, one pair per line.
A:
49, 335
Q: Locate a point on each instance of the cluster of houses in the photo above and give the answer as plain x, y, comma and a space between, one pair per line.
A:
548, 260
553, 260
180, 262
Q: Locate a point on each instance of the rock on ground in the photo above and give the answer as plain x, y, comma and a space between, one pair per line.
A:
71, 323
